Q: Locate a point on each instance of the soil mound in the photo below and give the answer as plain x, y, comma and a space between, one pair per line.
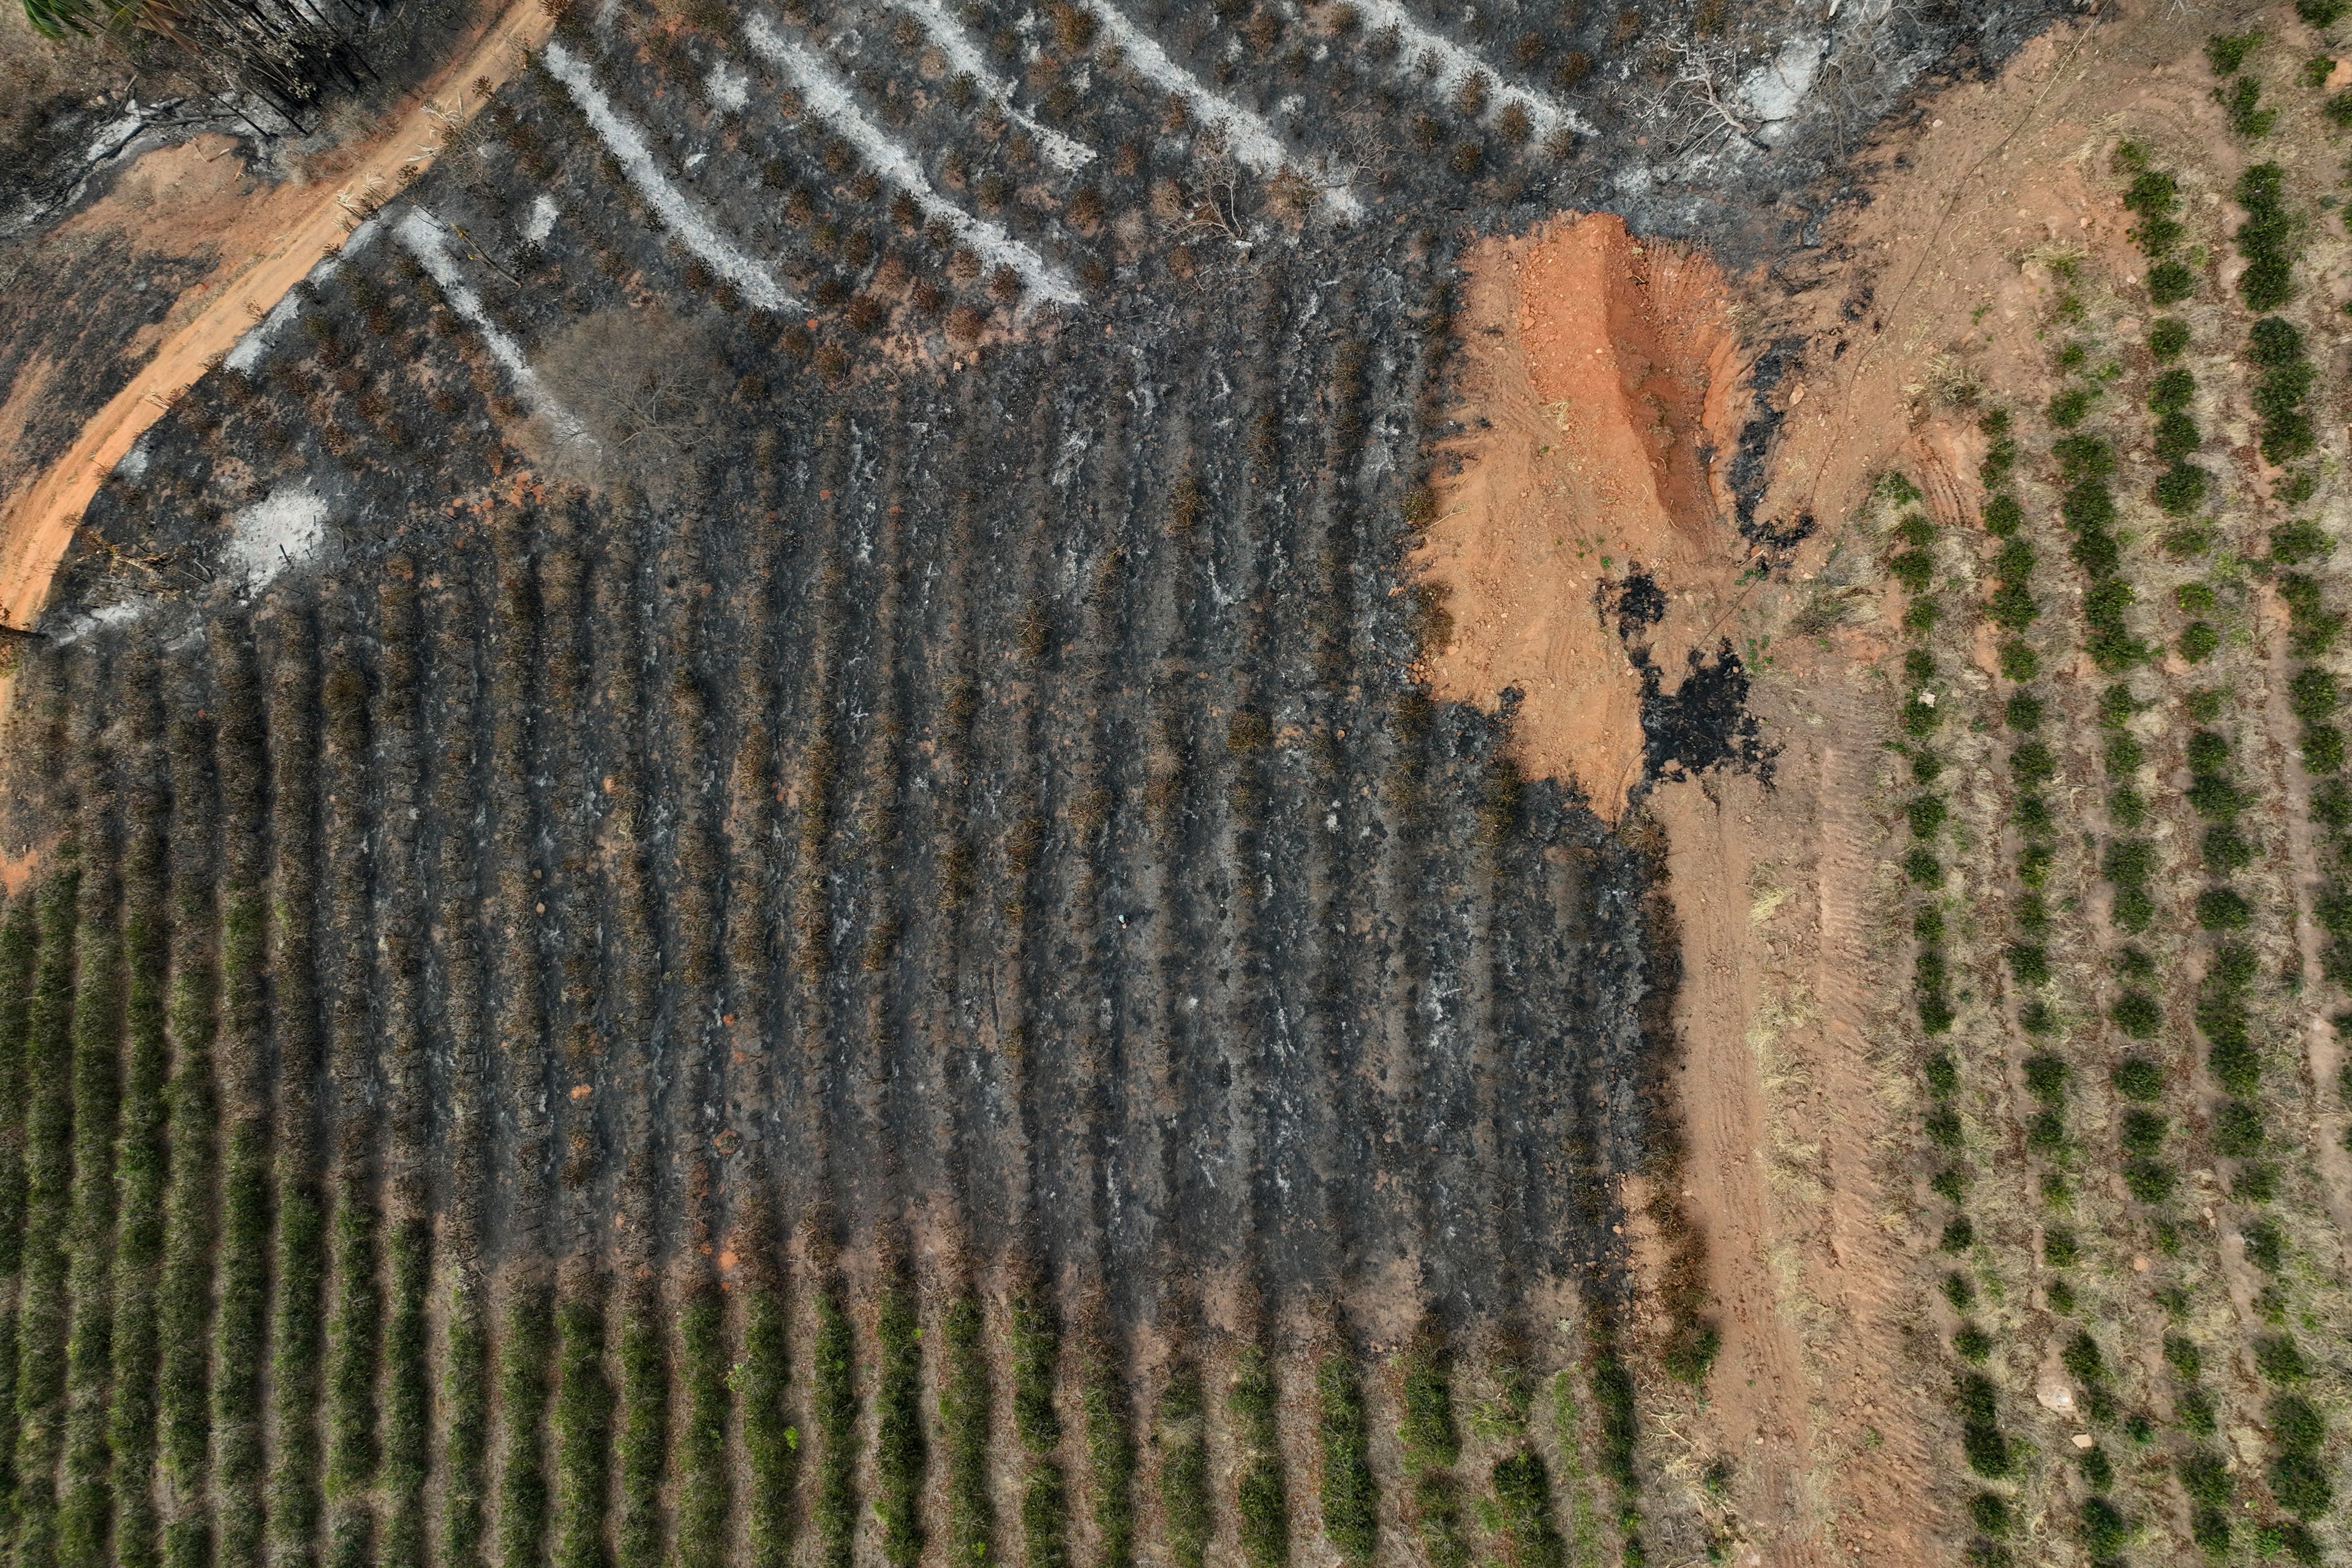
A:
1601, 389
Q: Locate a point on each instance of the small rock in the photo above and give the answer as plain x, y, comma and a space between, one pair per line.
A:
2084, 1440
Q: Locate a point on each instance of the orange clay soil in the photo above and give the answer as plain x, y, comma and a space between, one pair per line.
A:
1602, 378
266, 238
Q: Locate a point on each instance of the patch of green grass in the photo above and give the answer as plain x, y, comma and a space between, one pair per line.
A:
1036, 1352
407, 1394
523, 1365
1261, 1497
1110, 1452
644, 1427
97, 1087
354, 1340
19, 942
140, 1181
465, 1395
49, 1176
1520, 1511
583, 1427
1046, 1516
705, 1481
1350, 1495
762, 1379
834, 1387
964, 1414
898, 1457
1182, 1437
298, 1350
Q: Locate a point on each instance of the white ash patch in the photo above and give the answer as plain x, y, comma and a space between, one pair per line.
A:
964, 56
541, 221
133, 464
283, 529
627, 144
727, 88
828, 97
1777, 90
421, 234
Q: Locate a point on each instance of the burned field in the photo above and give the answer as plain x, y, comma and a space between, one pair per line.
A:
734, 855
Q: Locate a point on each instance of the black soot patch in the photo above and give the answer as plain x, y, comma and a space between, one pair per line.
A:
1704, 722
1769, 540
1635, 599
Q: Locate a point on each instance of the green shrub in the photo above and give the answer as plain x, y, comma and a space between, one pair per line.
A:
2138, 1079
2058, 1248
2265, 1245
1959, 1234
2166, 338
2143, 1132
2022, 711
2292, 544
2002, 516
2069, 407
1045, 1517
2172, 391
2322, 14
2278, 1358
1981, 1440
2105, 1530
2169, 282
2199, 642
2323, 750
1351, 1499
2150, 1181
2296, 1426
2180, 489
1943, 1082
1920, 865
2098, 1470
1943, 1128
2242, 100
2237, 1129
2300, 1483
2273, 342
2019, 662
1926, 814
2138, 1015
2266, 239
2029, 962
2223, 909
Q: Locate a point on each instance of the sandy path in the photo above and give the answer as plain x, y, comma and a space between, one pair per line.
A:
255, 272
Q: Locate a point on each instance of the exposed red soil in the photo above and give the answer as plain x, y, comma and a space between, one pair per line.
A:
1604, 378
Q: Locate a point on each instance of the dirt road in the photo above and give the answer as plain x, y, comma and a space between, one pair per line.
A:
263, 252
